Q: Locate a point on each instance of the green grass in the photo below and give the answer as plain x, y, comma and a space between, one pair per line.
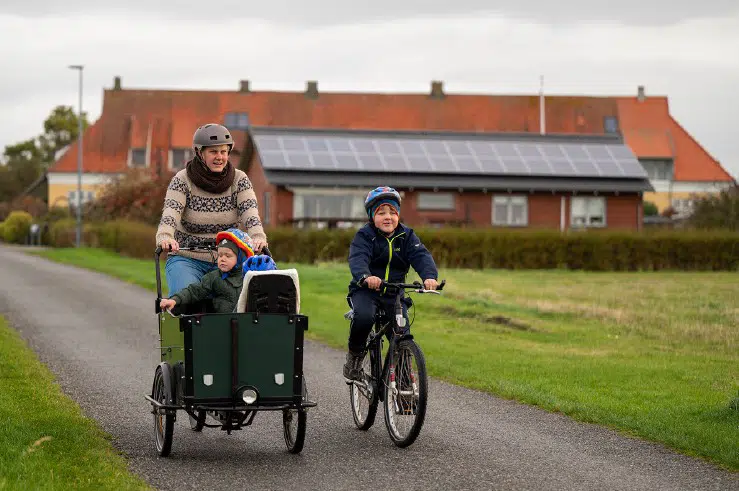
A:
45, 441
653, 355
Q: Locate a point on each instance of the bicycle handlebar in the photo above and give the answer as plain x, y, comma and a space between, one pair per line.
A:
416, 286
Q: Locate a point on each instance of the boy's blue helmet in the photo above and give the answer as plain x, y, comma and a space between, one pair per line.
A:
379, 195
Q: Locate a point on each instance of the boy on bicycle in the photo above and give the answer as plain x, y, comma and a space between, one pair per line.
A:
383, 249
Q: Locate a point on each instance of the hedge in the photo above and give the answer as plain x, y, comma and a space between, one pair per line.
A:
470, 248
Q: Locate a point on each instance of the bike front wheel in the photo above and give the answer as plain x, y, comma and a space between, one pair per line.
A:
406, 395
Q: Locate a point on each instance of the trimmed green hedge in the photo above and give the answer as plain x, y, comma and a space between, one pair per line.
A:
471, 248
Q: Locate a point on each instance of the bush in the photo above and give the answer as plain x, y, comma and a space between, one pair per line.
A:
2, 231
132, 239
717, 211
136, 196
17, 226
471, 248
63, 233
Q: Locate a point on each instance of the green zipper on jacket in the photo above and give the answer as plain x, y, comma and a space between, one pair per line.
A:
390, 255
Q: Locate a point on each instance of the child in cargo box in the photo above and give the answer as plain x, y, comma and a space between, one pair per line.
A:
224, 284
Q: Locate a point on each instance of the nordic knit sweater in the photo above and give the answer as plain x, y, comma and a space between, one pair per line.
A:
191, 215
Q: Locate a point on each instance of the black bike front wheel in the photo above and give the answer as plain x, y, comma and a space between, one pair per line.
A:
405, 399
363, 396
162, 392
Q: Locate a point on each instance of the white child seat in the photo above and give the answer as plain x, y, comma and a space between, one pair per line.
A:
272, 282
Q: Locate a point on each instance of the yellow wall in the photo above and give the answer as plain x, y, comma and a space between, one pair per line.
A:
662, 200
58, 192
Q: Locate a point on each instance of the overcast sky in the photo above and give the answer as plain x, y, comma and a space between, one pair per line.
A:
689, 53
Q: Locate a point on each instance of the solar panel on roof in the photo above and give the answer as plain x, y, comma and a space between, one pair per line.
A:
447, 156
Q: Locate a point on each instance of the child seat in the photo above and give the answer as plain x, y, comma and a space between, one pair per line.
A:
270, 292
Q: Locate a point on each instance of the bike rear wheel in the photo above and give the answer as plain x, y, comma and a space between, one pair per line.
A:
363, 396
405, 399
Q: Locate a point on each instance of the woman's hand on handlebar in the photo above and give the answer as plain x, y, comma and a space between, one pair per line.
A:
170, 244
258, 245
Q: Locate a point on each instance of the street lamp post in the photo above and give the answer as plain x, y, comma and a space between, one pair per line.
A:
78, 242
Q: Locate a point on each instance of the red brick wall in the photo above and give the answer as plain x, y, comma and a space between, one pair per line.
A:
255, 171
624, 212
475, 208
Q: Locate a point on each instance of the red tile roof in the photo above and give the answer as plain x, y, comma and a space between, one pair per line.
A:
171, 116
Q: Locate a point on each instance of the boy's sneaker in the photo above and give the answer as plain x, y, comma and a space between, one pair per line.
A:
353, 366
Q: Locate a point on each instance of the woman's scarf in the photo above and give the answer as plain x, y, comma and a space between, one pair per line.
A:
211, 182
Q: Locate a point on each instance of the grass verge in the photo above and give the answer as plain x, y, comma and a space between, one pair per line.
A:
46, 442
650, 354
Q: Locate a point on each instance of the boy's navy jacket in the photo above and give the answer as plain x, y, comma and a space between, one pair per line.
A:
372, 253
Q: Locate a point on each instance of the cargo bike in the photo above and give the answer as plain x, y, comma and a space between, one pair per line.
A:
223, 369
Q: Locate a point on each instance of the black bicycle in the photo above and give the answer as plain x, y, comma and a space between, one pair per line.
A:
401, 381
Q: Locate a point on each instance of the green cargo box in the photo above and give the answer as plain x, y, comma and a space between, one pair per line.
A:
216, 356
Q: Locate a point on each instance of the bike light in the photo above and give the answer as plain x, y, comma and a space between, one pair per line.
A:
249, 396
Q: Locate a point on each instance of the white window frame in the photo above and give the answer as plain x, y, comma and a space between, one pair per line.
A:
587, 206
147, 158
188, 155
509, 201
434, 201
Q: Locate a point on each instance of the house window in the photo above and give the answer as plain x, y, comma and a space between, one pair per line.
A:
683, 206
512, 211
137, 157
178, 157
610, 124
87, 197
315, 206
658, 169
435, 201
588, 211
237, 121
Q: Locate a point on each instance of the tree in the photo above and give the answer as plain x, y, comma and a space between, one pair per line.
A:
22, 166
60, 129
26, 161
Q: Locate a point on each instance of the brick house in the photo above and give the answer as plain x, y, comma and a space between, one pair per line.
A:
141, 128
311, 176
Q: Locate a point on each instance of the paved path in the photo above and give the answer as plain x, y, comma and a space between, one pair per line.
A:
99, 336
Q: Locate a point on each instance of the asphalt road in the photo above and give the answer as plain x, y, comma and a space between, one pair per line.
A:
99, 336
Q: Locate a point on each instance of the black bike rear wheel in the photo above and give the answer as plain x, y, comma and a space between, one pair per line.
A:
405, 402
363, 396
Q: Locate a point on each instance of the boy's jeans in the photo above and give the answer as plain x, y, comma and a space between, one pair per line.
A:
182, 271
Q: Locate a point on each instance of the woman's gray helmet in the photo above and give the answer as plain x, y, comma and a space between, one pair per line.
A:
211, 134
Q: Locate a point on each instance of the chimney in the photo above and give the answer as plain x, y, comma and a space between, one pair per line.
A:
437, 89
311, 89
244, 86
640, 93
117, 83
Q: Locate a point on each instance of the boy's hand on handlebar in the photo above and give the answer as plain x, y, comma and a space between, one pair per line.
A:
167, 304
373, 282
170, 244
430, 284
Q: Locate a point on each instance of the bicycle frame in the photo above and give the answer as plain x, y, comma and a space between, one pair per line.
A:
392, 328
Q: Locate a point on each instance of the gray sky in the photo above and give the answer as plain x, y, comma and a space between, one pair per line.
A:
689, 53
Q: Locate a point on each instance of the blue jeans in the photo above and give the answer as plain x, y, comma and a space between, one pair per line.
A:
182, 271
